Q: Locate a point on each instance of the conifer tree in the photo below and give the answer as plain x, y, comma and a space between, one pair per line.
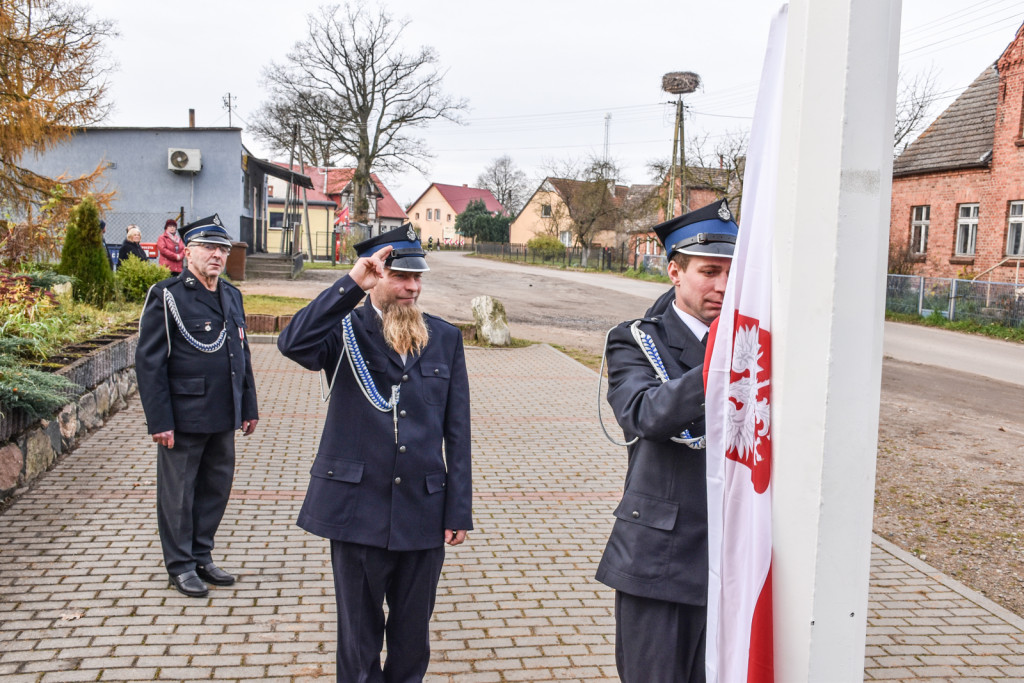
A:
84, 256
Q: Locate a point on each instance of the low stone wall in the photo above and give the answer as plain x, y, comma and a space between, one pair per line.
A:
109, 376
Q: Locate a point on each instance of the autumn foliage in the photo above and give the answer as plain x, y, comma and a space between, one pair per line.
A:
52, 79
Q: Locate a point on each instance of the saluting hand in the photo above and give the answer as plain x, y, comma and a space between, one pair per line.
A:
369, 270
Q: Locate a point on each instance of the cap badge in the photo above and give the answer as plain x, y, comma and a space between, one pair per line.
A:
207, 327
723, 212
410, 234
216, 221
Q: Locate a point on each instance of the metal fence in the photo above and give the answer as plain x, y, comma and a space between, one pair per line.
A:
151, 224
978, 301
598, 258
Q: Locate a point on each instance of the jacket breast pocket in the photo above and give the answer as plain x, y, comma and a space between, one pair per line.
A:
206, 330
336, 469
657, 513
436, 377
187, 386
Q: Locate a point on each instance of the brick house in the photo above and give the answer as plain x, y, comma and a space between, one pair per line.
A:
703, 189
958, 189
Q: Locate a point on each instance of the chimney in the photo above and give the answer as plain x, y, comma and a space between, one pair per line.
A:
191, 118
465, 185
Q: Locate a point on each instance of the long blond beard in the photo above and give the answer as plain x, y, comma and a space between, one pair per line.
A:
403, 328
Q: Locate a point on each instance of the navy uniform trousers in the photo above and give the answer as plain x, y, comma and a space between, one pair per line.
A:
193, 483
365, 578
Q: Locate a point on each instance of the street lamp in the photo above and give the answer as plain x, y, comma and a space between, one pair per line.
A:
678, 83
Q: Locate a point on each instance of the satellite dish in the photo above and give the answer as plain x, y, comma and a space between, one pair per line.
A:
179, 159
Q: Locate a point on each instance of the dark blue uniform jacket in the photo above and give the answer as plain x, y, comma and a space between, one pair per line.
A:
658, 545
366, 486
181, 387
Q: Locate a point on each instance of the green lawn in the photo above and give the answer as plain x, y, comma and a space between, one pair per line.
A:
325, 265
264, 304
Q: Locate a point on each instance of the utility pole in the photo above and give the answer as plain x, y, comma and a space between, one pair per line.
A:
607, 128
228, 105
678, 83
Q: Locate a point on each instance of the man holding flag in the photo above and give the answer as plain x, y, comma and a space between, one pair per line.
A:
657, 555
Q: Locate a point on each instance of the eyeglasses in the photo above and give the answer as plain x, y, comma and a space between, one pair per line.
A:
214, 247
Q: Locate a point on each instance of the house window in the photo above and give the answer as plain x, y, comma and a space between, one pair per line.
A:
966, 229
1015, 231
565, 237
449, 218
545, 211
417, 215
920, 217
430, 212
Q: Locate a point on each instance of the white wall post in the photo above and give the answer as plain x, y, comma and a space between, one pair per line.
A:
830, 260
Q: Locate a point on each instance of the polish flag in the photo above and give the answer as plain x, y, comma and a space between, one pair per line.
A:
342, 217
738, 405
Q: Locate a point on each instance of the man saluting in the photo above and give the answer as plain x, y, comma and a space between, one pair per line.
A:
391, 481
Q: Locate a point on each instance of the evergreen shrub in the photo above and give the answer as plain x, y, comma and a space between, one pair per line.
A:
135, 277
546, 246
84, 256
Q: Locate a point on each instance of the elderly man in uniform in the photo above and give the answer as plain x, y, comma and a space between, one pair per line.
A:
657, 555
391, 482
197, 387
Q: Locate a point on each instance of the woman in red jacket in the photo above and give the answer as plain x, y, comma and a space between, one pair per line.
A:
170, 247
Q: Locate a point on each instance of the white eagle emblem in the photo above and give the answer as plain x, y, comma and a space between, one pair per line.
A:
410, 234
751, 420
724, 213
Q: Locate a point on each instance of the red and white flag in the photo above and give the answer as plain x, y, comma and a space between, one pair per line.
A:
738, 404
341, 217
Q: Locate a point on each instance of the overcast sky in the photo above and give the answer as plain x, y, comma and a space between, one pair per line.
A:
540, 75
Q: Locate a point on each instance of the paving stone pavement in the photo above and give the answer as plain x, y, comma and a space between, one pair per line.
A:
83, 595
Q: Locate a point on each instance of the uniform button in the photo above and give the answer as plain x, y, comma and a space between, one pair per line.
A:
401, 414
330, 473
636, 514
436, 371
341, 290
405, 378
232, 373
401, 449
398, 480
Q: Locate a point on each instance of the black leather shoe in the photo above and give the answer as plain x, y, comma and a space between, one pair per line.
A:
190, 584
211, 573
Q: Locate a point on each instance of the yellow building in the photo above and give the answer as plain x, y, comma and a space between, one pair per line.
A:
433, 214
548, 214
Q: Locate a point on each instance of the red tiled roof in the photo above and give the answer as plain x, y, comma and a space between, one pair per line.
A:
387, 206
459, 197
316, 175
331, 182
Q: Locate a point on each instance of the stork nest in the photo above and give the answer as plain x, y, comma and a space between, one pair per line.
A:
680, 82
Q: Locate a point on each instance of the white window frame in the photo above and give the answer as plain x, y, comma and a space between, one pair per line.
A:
545, 211
920, 220
430, 212
966, 229
1015, 229
565, 237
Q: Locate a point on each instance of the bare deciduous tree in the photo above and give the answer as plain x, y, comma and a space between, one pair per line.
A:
914, 99
350, 75
507, 183
718, 167
52, 77
591, 206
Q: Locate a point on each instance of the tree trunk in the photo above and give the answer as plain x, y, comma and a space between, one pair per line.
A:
360, 181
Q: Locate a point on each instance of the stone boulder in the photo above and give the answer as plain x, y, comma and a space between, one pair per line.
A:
491, 321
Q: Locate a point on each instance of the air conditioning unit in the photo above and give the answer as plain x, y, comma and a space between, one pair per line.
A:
184, 160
